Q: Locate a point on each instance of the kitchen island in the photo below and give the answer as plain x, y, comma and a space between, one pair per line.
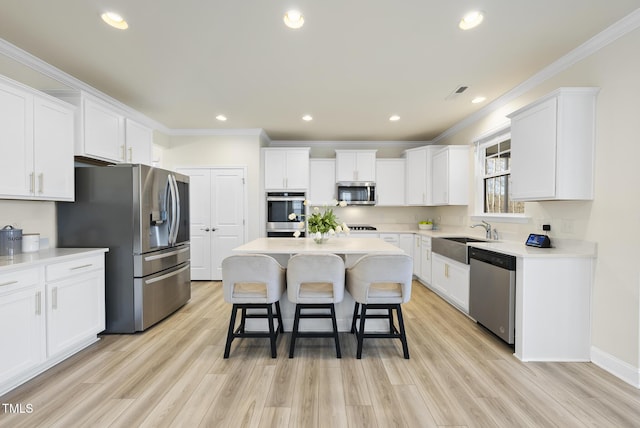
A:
348, 247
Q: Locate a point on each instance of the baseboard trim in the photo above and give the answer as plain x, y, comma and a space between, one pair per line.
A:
616, 367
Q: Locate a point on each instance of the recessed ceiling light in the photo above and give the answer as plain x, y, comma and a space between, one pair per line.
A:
115, 20
293, 19
471, 20
394, 118
221, 117
307, 118
478, 100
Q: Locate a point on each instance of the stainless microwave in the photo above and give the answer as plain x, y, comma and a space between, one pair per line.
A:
357, 192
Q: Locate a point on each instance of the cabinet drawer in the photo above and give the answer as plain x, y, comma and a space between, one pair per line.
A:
19, 278
66, 269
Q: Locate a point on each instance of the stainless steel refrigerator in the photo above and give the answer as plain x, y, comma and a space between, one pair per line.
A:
141, 214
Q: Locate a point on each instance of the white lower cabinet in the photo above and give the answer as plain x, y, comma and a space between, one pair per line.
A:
75, 302
22, 318
48, 312
450, 279
425, 259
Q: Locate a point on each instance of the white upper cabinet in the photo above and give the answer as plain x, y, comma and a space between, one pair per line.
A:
36, 136
450, 176
322, 188
355, 165
104, 132
418, 187
390, 182
139, 143
286, 169
552, 146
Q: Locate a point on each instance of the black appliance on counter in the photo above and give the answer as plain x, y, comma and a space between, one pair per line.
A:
142, 214
279, 206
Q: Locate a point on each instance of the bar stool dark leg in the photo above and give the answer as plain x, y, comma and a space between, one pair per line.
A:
279, 315
272, 333
232, 323
403, 336
355, 317
294, 332
335, 331
360, 334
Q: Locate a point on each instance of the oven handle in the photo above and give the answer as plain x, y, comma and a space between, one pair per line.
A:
284, 198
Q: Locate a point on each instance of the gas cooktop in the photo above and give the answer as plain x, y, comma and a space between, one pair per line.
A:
361, 227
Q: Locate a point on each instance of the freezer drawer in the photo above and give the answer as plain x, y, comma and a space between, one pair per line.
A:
148, 263
161, 294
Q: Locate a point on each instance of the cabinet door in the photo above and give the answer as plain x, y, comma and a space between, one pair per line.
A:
103, 132
275, 166
322, 185
75, 310
366, 166
440, 177
139, 141
417, 255
533, 152
22, 317
297, 168
458, 281
346, 166
16, 142
425, 263
405, 242
416, 177
439, 275
53, 146
390, 182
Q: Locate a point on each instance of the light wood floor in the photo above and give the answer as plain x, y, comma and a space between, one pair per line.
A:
458, 375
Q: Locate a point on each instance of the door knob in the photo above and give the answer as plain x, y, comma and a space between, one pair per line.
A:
206, 229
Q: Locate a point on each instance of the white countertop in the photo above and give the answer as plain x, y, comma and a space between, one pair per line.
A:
336, 245
48, 255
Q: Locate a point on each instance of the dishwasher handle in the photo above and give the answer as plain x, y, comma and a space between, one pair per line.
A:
505, 261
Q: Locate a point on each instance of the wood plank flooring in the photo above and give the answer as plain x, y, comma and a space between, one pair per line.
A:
174, 375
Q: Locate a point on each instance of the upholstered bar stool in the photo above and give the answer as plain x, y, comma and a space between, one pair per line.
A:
253, 281
379, 281
315, 282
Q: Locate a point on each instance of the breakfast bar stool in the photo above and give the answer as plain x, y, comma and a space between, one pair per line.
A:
253, 281
379, 281
315, 281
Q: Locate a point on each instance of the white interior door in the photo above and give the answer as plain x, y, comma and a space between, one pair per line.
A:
227, 215
200, 221
217, 214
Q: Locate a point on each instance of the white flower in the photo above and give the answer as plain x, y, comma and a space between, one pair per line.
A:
345, 228
343, 203
332, 232
292, 216
338, 229
306, 202
334, 202
301, 225
296, 234
316, 209
318, 235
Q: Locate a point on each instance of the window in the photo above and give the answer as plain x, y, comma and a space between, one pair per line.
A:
495, 163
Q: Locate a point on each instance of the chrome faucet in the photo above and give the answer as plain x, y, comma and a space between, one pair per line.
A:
487, 228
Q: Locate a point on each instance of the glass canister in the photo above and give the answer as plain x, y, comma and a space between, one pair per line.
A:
10, 241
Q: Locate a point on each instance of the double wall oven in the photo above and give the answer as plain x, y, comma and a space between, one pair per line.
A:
279, 206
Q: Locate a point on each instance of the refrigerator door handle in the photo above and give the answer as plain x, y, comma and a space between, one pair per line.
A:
173, 223
178, 211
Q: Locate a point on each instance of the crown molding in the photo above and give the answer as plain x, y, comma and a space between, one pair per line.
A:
259, 132
46, 69
624, 26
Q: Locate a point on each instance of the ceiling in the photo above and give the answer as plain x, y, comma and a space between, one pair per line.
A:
351, 66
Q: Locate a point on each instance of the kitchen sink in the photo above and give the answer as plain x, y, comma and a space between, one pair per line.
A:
453, 247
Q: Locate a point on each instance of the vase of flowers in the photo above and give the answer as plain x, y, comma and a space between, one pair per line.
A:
321, 224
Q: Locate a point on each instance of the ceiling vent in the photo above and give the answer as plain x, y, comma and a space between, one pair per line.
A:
460, 89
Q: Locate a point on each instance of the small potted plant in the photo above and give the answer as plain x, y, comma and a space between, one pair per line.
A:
425, 225
321, 225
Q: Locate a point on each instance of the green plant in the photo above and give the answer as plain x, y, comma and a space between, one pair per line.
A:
321, 222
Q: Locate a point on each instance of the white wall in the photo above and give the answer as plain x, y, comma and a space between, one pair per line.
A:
31, 217
612, 219
222, 150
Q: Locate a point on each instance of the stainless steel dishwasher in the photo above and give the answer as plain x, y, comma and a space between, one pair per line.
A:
492, 291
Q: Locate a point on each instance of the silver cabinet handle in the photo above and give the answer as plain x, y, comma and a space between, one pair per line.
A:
32, 182
54, 298
8, 283
38, 303
123, 156
130, 154
41, 183
81, 267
